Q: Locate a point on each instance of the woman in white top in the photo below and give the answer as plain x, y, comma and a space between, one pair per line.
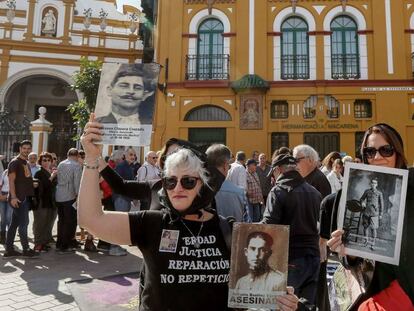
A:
335, 176
5, 209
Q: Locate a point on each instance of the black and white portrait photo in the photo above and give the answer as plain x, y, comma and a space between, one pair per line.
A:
371, 212
258, 265
126, 103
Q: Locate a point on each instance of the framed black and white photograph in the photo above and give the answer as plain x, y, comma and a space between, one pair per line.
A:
371, 211
126, 102
259, 265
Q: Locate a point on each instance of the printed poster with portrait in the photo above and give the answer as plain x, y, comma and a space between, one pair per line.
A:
259, 265
126, 103
251, 112
371, 211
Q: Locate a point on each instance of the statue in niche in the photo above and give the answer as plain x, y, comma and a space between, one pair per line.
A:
49, 21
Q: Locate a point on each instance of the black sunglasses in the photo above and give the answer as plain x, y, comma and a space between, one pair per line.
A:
385, 151
187, 182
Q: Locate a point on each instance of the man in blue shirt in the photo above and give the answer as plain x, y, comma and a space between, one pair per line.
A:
231, 200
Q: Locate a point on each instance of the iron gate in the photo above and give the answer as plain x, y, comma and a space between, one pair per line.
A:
12, 131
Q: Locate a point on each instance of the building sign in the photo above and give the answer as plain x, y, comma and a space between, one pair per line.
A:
320, 126
388, 89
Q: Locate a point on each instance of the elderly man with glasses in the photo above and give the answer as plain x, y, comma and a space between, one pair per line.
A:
307, 160
148, 172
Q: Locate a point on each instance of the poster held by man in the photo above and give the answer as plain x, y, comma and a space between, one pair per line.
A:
371, 211
259, 264
126, 102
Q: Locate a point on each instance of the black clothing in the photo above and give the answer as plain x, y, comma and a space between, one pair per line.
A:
149, 190
292, 201
67, 223
179, 276
45, 192
135, 190
318, 180
24, 181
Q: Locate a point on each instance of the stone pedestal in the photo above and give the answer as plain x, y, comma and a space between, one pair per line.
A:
40, 129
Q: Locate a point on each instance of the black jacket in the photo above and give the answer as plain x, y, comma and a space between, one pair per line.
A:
318, 180
292, 201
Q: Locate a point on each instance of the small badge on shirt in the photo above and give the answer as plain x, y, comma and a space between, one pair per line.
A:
169, 241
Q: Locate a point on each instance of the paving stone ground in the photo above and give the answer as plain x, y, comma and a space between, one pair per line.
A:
40, 284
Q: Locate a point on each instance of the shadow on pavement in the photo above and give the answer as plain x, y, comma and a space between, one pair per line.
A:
48, 274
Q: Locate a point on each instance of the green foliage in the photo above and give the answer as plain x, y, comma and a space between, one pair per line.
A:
86, 81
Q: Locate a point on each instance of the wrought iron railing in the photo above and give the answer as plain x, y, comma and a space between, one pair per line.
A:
207, 67
295, 67
345, 66
12, 131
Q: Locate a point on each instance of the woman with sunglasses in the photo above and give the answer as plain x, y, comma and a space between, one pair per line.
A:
45, 214
391, 287
185, 255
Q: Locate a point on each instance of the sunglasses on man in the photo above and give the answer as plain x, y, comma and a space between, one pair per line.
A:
385, 151
187, 182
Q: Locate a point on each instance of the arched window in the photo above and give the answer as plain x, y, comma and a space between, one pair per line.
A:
210, 59
332, 107
295, 49
207, 113
344, 52
309, 107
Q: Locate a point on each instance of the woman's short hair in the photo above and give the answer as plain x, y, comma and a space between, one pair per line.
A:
392, 137
44, 155
185, 160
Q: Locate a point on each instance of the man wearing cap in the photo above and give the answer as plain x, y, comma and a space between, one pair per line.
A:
254, 192
292, 201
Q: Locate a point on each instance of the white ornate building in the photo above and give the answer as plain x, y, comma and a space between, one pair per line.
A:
41, 43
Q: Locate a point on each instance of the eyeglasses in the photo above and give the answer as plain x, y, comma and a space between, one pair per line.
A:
187, 182
385, 151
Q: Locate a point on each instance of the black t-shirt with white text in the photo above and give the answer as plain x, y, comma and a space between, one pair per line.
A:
178, 274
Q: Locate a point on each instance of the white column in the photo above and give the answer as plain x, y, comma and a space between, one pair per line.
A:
390, 56
40, 132
251, 37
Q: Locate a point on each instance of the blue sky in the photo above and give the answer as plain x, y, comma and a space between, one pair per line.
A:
120, 3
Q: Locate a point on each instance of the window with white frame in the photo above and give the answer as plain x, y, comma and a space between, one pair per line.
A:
344, 48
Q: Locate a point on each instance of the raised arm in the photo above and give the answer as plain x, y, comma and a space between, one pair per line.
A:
109, 226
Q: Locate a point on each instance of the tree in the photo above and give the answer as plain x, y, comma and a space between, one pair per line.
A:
86, 81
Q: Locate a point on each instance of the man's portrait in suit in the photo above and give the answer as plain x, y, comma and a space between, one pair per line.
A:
130, 95
261, 277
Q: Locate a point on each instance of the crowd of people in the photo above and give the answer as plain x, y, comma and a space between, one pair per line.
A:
199, 195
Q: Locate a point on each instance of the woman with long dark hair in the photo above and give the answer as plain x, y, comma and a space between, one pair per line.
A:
391, 287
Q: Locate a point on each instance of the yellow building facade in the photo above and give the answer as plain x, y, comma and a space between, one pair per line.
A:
260, 74
41, 45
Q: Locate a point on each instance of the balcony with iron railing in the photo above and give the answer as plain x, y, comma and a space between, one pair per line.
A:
345, 66
207, 67
295, 67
